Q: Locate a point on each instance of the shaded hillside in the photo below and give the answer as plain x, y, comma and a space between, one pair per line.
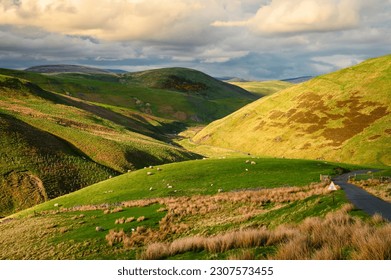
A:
35, 166
342, 116
53, 144
176, 94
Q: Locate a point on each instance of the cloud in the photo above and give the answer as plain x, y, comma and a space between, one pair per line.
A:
295, 16
111, 20
261, 39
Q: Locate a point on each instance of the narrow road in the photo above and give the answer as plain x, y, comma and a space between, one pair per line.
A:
362, 199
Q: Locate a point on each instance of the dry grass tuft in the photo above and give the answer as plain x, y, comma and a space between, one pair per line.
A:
337, 236
140, 219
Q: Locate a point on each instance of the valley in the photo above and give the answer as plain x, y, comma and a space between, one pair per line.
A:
174, 164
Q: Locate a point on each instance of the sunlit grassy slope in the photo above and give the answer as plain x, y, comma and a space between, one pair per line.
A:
193, 203
53, 144
263, 88
343, 116
197, 177
178, 94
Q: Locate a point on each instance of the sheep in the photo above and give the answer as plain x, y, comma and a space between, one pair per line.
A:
150, 189
220, 190
56, 205
99, 229
247, 161
169, 187
246, 169
253, 162
149, 173
158, 169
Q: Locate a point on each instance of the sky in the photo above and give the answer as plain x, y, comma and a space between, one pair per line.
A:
250, 39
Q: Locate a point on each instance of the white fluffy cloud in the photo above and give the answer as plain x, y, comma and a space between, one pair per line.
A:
113, 20
291, 16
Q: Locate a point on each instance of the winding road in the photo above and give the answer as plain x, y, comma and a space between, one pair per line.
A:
362, 199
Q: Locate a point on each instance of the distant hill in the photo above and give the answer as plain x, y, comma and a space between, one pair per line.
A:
63, 68
262, 88
342, 116
178, 94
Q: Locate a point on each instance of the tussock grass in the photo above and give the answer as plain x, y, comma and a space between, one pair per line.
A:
338, 236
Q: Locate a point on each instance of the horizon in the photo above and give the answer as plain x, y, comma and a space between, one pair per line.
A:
250, 39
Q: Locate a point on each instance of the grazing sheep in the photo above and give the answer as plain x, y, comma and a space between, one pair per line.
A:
150, 189
150, 167
158, 169
99, 229
246, 169
149, 173
253, 162
247, 161
220, 190
169, 187
56, 205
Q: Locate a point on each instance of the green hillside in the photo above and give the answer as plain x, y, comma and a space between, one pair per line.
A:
177, 94
122, 217
56, 144
197, 177
263, 88
343, 116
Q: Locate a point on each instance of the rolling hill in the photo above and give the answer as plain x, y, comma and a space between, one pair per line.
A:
342, 116
53, 144
177, 94
63, 68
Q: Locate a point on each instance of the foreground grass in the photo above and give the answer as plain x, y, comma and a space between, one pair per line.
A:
208, 176
283, 223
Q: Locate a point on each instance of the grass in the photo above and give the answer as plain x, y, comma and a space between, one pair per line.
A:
336, 236
342, 116
197, 177
72, 235
263, 224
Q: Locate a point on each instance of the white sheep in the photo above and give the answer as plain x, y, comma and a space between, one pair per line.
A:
149, 173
